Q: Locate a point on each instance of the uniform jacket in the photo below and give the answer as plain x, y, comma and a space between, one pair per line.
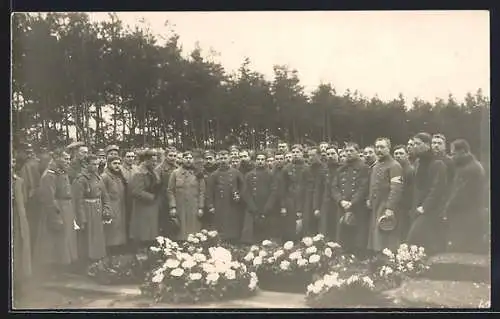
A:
116, 188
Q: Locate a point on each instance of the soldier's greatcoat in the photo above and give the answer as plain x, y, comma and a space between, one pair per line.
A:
186, 192
260, 198
91, 203
313, 197
145, 188
116, 188
328, 212
429, 193
228, 215
56, 240
386, 188
351, 184
164, 170
293, 198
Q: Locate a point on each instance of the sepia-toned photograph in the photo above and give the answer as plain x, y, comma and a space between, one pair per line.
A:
250, 160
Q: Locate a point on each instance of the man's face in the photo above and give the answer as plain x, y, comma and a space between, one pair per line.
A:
410, 147
113, 153
171, 156
351, 153
382, 149
188, 160
209, 159
419, 146
313, 156
129, 158
235, 162
244, 157
283, 147
150, 162
179, 159
332, 156
438, 145
101, 159
270, 162
92, 166
369, 154
456, 154
64, 161
115, 165
297, 154
342, 157
400, 154
288, 157
279, 159
83, 151
224, 158
323, 147
260, 160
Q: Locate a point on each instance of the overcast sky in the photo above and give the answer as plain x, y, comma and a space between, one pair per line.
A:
424, 54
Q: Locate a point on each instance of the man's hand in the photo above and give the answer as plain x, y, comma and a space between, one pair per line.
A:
343, 204
368, 203
316, 213
211, 210
299, 215
420, 209
173, 212
200, 212
283, 211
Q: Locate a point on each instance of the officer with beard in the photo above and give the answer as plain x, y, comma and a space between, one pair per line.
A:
246, 164
328, 217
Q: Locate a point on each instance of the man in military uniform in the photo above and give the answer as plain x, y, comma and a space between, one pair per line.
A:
101, 160
163, 171
128, 166
259, 197
386, 188
210, 163
401, 155
410, 148
369, 156
225, 188
210, 166
92, 210
350, 191
328, 211
283, 147
293, 186
112, 151
246, 164
314, 174
79, 160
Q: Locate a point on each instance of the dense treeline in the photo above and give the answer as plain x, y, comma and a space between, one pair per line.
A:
67, 71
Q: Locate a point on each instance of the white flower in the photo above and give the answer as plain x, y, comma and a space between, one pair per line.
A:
314, 259
301, 262
421, 250
368, 281
403, 247
252, 284
328, 252
254, 248
196, 241
160, 240
195, 276
278, 253
204, 231
310, 288
177, 272
155, 249
172, 263
330, 281
203, 237
188, 264
221, 266
199, 257
220, 253
295, 255
212, 277
212, 233
284, 265
414, 249
307, 241
158, 277
249, 257
387, 252
267, 243
257, 261
230, 274
317, 287
235, 264
262, 253
288, 245
331, 244
410, 266
271, 260
208, 268
311, 250
318, 237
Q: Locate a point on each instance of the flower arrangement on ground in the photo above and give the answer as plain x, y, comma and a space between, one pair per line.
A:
292, 265
197, 277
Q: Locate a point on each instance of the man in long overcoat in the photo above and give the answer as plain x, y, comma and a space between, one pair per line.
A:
466, 205
164, 170
186, 196
293, 187
401, 155
313, 198
386, 188
225, 188
328, 219
429, 194
259, 197
350, 191
56, 243
146, 190
92, 209
116, 188
78, 162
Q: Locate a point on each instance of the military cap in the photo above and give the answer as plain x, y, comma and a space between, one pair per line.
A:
112, 147
386, 223
100, 152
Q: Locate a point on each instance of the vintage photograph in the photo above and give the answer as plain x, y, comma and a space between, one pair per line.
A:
250, 160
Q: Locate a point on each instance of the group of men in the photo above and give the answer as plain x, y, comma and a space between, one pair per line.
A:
80, 207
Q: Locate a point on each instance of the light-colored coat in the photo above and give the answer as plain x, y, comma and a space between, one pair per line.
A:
116, 232
186, 193
386, 189
20, 231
